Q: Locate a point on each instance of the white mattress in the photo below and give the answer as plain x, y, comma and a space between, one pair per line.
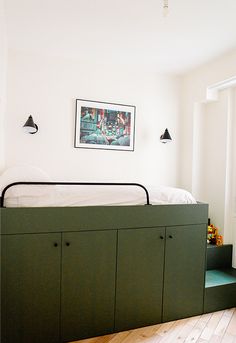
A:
81, 195
53, 196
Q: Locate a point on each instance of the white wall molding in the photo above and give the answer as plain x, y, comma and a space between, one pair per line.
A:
229, 168
213, 95
212, 92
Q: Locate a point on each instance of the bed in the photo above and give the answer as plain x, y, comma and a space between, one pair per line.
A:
100, 264
53, 194
96, 205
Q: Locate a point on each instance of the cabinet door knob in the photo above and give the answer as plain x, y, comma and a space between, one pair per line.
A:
55, 244
170, 236
161, 237
67, 244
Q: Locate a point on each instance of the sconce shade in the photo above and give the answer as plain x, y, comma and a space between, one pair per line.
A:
165, 138
30, 126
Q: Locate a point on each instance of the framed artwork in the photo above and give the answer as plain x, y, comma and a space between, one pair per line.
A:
103, 125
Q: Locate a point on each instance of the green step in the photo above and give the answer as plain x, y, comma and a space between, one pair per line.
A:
219, 277
220, 289
219, 256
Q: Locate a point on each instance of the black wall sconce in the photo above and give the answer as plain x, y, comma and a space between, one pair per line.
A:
165, 138
30, 126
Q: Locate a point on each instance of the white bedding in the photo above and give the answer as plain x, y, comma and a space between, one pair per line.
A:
53, 196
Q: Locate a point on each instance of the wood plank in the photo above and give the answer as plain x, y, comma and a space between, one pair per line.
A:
223, 324
183, 334
100, 339
165, 328
211, 325
195, 333
217, 327
173, 333
215, 339
231, 329
120, 337
228, 338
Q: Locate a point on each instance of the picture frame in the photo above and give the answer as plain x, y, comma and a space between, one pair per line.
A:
103, 125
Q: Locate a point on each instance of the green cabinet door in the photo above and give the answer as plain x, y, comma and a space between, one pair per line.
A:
184, 275
88, 283
31, 288
140, 263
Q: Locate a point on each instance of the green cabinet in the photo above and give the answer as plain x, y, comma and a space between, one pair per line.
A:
184, 276
88, 283
140, 264
65, 286
31, 288
58, 286
160, 275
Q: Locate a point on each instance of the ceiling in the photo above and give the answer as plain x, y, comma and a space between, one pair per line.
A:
131, 33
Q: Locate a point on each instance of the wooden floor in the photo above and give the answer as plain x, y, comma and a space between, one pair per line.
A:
211, 327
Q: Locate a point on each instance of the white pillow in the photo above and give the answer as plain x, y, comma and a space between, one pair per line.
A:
24, 173
170, 195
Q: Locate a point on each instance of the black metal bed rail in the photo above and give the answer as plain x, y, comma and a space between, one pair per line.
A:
74, 184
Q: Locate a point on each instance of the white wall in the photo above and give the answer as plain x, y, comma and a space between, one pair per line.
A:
47, 87
213, 155
3, 67
209, 160
194, 88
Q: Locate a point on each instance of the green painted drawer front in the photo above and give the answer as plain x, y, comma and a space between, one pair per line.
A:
67, 219
220, 297
184, 271
140, 265
88, 283
31, 293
